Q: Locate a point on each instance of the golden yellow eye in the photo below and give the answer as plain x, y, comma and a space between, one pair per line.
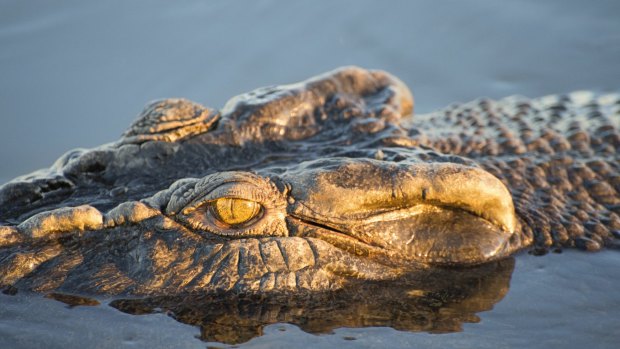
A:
235, 211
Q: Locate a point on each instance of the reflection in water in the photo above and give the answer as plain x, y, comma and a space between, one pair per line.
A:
437, 300
72, 300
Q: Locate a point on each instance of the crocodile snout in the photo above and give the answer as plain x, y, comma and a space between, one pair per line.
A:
436, 213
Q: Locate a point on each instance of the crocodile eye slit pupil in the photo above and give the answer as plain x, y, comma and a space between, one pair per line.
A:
235, 211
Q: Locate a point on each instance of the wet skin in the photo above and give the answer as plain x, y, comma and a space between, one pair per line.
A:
313, 186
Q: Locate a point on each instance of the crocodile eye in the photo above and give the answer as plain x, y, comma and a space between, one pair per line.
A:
230, 204
235, 211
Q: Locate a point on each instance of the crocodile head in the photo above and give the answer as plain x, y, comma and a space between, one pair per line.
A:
304, 186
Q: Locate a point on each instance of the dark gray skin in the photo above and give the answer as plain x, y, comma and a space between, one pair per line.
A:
341, 183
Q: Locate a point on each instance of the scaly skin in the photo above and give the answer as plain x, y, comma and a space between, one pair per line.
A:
345, 183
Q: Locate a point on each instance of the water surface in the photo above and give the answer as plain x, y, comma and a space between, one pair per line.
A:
75, 75
567, 300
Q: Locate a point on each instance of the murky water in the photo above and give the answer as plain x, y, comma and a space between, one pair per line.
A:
76, 74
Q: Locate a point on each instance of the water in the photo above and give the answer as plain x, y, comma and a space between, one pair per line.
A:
567, 300
76, 74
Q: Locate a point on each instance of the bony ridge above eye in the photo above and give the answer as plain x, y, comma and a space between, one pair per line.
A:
235, 212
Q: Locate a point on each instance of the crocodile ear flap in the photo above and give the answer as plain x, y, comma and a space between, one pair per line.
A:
170, 120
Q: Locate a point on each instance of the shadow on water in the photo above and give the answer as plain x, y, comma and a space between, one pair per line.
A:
436, 301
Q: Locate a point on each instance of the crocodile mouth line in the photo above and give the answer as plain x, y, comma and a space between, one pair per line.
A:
425, 219
337, 237
386, 216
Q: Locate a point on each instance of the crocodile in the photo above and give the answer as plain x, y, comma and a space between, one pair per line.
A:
312, 186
